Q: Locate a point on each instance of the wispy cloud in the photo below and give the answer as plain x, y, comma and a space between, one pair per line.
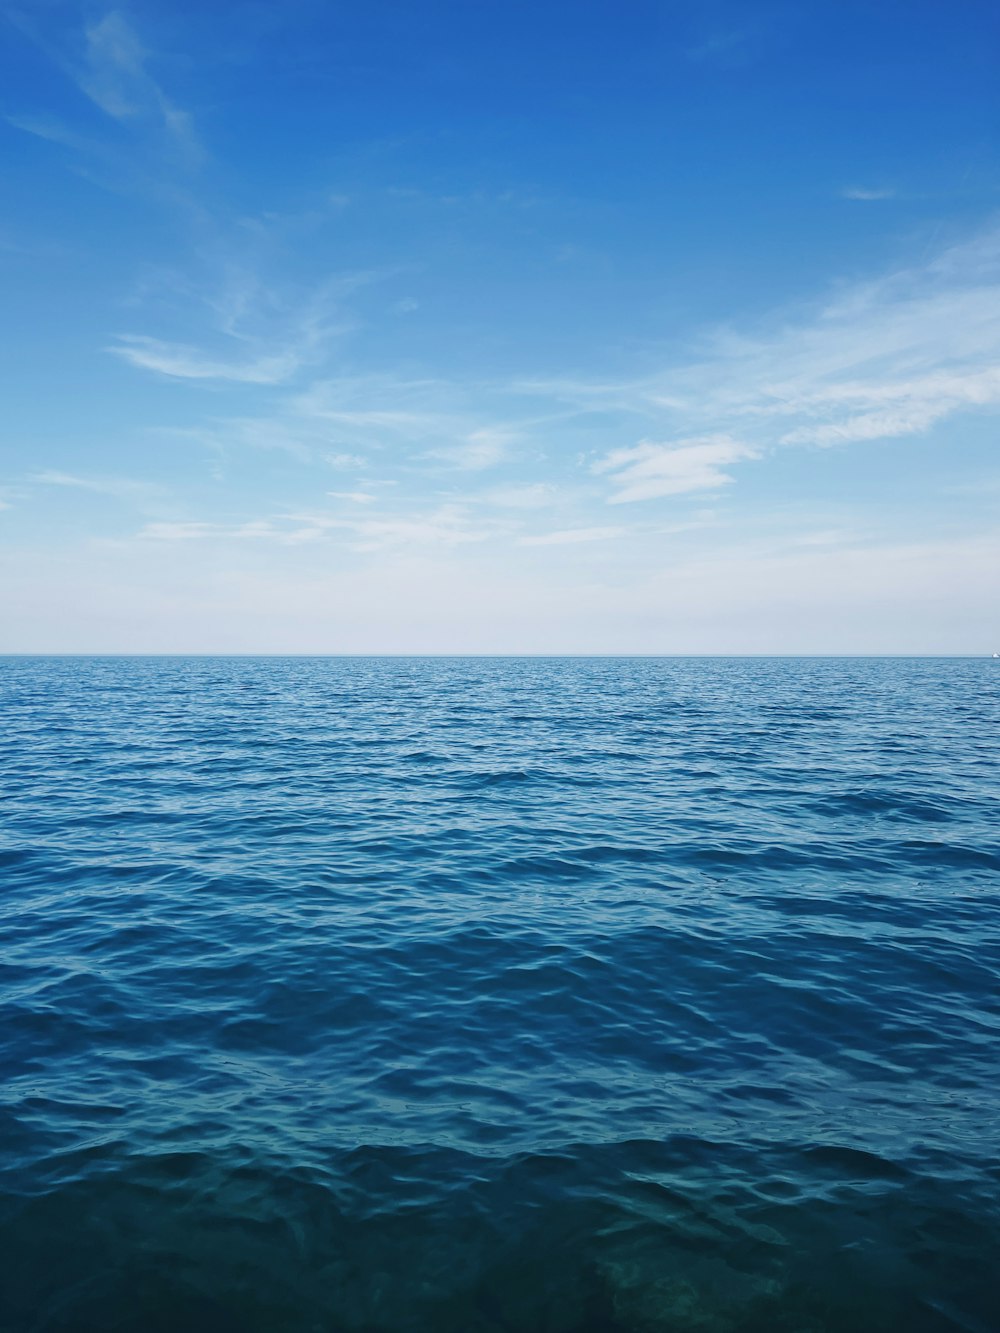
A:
259, 334
528, 495
53, 131
190, 363
891, 357
651, 470
867, 192
884, 359
110, 65
447, 525
429, 422
480, 449
729, 40
903, 407
122, 488
117, 80
727, 46
371, 409
344, 462
174, 531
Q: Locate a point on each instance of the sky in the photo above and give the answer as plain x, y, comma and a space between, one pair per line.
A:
460, 326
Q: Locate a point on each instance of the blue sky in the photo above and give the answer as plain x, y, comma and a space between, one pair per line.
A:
500, 327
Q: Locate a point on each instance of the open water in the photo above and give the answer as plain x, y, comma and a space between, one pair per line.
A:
499, 995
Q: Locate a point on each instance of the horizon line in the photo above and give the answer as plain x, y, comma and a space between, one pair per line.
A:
507, 656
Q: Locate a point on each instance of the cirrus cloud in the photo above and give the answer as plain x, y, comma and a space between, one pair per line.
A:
651, 470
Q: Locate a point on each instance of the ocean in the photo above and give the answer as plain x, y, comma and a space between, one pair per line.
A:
491, 995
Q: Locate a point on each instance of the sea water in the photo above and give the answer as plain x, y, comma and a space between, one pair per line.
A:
487, 995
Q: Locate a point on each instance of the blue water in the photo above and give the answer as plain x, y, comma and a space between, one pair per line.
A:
479, 996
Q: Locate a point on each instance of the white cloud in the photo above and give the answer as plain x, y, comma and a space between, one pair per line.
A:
650, 470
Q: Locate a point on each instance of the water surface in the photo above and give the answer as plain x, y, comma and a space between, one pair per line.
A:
488, 995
